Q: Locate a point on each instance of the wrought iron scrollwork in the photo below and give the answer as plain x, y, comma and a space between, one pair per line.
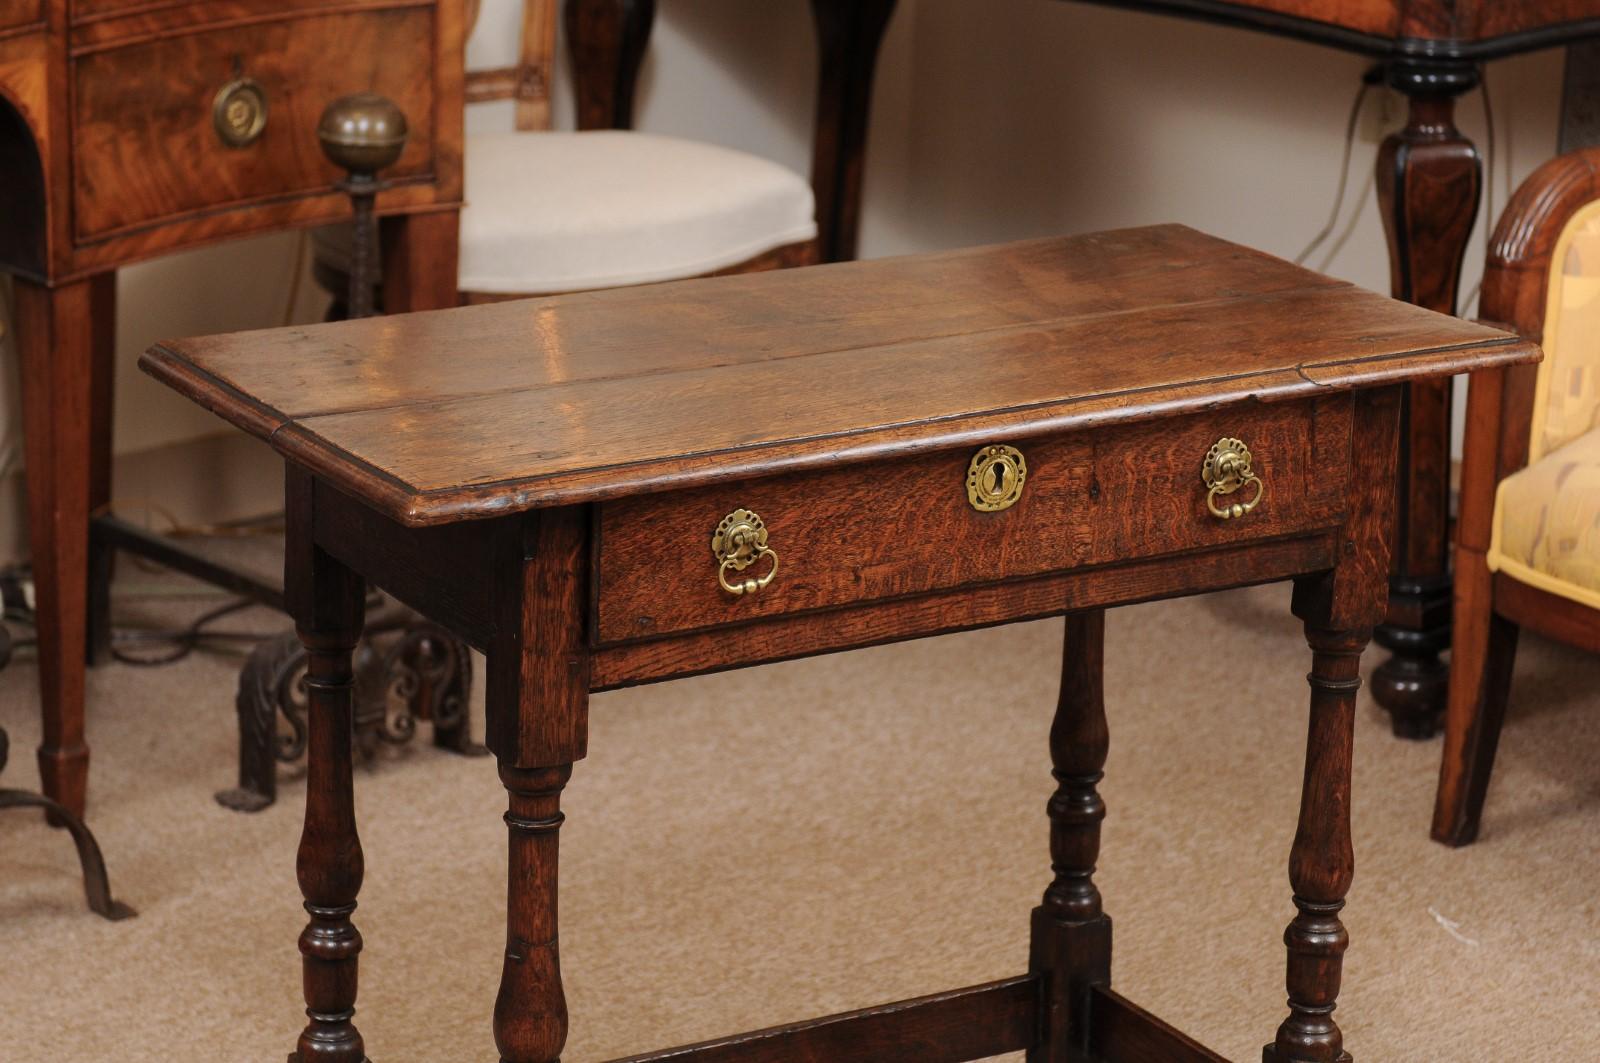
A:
407, 670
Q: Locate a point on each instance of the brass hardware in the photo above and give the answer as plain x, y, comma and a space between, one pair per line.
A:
239, 112
739, 542
363, 133
995, 477
1226, 470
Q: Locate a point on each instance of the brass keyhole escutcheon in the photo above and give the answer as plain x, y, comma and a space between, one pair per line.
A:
739, 542
1226, 470
995, 478
239, 112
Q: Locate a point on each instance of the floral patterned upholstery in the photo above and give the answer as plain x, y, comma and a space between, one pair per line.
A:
1547, 516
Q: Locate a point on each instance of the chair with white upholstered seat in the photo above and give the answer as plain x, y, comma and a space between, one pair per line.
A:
551, 212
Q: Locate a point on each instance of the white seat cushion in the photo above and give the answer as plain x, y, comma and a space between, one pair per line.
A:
554, 212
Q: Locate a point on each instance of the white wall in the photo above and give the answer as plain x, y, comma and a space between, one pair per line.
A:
994, 119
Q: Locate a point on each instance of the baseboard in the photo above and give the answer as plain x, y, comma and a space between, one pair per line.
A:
198, 481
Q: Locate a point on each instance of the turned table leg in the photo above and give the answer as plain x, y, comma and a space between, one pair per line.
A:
1071, 940
530, 1012
1429, 178
327, 600
1321, 862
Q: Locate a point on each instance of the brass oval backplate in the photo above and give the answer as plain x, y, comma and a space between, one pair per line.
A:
995, 478
739, 542
239, 112
1226, 470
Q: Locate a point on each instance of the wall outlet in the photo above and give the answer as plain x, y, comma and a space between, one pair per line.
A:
1382, 112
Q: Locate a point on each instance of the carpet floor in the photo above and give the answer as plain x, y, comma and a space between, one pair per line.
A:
778, 843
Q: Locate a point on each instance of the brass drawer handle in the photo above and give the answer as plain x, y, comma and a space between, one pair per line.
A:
1226, 470
739, 542
239, 112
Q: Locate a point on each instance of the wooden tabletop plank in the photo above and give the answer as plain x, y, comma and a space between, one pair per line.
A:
466, 413
740, 319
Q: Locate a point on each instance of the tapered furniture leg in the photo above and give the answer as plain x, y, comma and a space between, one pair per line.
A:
530, 1012
1472, 731
55, 334
1429, 179
849, 33
1071, 940
1321, 862
327, 601
103, 350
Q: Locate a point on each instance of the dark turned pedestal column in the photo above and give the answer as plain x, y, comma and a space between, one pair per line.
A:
1429, 180
848, 35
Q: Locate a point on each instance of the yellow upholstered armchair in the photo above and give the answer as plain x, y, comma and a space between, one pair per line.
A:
1528, 536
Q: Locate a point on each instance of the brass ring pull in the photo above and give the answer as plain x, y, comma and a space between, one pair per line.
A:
1226, 470
749, 586
738, 543
239, 112
1237, 509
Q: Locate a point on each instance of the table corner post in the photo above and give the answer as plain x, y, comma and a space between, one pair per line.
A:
537, 727
327, 601
1430, 179
1071, 934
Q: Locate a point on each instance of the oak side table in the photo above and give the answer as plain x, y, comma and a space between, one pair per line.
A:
628, 486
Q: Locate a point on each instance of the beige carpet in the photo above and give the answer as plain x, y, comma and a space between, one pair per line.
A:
784, 842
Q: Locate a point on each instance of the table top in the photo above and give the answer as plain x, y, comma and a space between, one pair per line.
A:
468, 413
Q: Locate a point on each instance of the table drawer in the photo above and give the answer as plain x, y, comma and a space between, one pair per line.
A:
876, 531
166, 159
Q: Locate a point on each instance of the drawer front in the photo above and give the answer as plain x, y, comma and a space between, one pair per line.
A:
147, 149
876, 531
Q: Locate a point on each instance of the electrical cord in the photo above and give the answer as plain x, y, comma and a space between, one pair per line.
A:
1344, 175
181, 642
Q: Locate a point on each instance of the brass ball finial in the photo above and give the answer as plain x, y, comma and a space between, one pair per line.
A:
363, 133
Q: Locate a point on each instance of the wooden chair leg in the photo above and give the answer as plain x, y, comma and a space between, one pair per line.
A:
1480, 686
1321, 862
1071, 940
55, 337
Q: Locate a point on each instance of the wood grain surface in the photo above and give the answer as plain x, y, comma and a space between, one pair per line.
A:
491, 409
